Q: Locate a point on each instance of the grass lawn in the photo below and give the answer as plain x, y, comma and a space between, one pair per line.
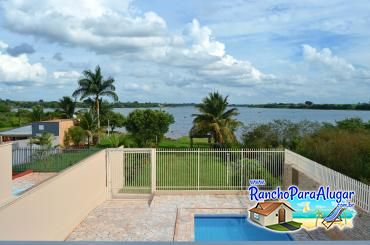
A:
180, 171
279, 227
183, 142
42, 162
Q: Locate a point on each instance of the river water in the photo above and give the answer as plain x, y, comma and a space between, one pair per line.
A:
183, 116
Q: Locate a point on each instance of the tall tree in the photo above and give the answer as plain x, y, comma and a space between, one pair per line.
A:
94, 86
67, 107
216, 119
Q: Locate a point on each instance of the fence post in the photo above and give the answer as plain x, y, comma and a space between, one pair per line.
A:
198, 167
227, 168
368, 200
241, 170
153, 159
287, 170
5, 172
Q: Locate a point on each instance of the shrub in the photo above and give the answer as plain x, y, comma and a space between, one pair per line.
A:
117, 140
345, 151
279, 133
77, 135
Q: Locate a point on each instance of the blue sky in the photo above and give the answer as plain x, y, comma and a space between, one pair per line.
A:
178, 51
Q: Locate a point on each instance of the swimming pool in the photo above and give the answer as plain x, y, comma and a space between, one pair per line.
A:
232, 228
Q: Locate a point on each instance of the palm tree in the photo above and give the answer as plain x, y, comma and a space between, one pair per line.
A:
88, 123
37, 113
214, 118
67, 106
94, 85
45, 140
318, 214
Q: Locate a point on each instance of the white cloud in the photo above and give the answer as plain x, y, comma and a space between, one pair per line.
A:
3, 45
66, 75
119, 30
63, 78
103, 26
206, 60
18, 70
325, 57
137, 87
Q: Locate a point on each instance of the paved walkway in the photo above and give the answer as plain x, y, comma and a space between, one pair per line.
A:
289, 226
120, 220
171, 217
28, 181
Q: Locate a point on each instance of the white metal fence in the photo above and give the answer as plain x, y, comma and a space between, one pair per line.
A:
137, 170
219, 169
148, 170
328, 177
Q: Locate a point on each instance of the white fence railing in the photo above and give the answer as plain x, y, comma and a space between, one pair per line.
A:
148, 170
328, 177
217, 169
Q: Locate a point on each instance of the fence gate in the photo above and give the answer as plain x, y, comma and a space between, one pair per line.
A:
130, 171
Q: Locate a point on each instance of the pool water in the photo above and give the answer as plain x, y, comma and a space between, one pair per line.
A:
232, 228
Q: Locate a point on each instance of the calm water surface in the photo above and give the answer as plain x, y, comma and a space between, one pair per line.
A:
183, 118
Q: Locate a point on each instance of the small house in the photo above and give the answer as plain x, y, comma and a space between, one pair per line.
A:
57, 127
271, 213
20, 136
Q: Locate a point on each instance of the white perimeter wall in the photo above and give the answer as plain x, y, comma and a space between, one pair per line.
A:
53, 209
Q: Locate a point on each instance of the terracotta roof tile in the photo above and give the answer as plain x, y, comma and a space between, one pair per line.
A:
266, 208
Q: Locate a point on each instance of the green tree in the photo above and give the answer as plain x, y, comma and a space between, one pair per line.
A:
37, 113
4, 107
279, 133
215, 118
67, 107
116, 120
148, 126
351, 124
94, 85
77, 135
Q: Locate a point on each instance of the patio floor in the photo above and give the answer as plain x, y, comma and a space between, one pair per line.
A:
21, 184
171, 218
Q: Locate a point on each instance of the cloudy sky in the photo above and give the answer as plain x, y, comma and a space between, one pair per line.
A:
178, 51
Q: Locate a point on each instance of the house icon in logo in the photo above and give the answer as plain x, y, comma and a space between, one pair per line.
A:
271, 213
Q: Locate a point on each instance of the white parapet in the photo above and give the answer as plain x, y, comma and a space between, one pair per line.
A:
5, 172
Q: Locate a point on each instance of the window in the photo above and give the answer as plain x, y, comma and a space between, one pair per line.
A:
256, 216
41, 127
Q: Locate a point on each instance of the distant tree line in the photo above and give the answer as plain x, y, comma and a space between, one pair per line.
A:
311, 105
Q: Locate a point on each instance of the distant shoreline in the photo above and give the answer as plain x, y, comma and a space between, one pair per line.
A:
132, 105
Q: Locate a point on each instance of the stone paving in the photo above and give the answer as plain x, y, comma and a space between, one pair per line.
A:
171, 218
120, 220
21, 184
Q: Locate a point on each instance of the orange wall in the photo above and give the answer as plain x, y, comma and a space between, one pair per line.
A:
63, 129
